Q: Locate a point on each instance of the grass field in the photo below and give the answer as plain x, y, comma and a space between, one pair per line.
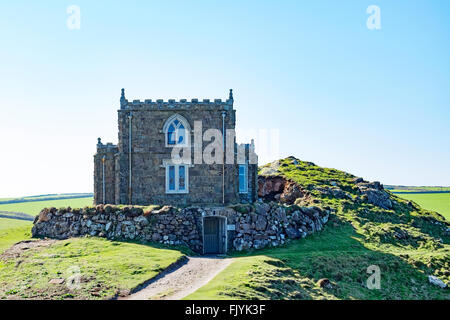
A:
48, 197
439, 202
104, 268
33, 208
12, 231
417, 189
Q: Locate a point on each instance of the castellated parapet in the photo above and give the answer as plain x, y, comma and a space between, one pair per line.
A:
173, 104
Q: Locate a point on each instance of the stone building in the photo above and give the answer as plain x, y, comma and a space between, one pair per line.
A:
141, 168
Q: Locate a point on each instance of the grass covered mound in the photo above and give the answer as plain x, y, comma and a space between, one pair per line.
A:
92, 268
406, 243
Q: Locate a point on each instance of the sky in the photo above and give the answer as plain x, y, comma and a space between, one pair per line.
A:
372, 102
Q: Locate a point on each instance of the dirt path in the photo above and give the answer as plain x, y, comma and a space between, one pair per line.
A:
179, 283
16, 250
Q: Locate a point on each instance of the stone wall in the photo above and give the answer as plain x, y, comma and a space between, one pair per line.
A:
248, 226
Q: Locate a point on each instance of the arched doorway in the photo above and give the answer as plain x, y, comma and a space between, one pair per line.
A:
214, 235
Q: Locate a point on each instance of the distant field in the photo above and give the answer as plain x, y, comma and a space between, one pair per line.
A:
33, 208
46, 197
416, 189
439, 202
6, 223
12, 231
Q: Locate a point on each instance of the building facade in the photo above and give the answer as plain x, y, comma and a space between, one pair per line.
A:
169, 152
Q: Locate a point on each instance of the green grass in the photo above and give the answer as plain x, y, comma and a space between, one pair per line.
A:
33, 208
12, 231
357, 236
106, 267
337, 253
439, 202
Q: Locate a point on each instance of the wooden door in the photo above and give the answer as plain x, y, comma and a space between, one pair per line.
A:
211, 239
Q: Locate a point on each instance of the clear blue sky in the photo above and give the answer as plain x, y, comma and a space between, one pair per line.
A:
375, 103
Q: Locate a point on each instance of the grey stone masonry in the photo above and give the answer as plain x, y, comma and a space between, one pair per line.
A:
140, 177
247, 226
104, 171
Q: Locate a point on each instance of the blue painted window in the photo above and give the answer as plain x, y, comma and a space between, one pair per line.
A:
243, 182
176, 132
177, 179
172, 178
180, 134
171, 134
181, 177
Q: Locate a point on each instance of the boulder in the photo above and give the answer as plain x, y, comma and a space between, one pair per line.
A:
261, 223
324, 283
437, 282
374, 193
293, 233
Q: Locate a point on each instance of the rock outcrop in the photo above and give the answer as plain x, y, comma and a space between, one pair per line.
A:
375, 194
276, 188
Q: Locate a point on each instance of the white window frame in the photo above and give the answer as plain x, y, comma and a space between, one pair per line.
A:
177, 178
245, 166
187, 131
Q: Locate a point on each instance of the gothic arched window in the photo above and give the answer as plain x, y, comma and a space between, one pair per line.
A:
176, 131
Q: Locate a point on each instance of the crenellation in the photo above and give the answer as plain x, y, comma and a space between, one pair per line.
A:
105, 148
160, 104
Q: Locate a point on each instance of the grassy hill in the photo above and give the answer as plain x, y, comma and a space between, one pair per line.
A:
406, 242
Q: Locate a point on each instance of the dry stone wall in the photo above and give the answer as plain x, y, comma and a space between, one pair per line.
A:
248, 226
